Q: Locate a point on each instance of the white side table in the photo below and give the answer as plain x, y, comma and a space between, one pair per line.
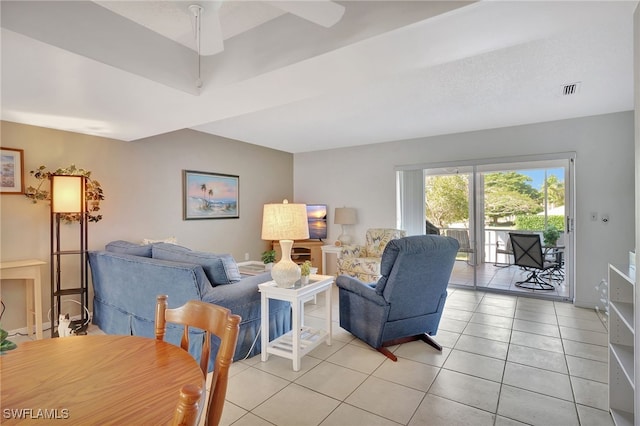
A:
29, 271
329, 249
300, 340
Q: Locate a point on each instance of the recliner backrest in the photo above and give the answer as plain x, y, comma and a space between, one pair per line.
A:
416, 267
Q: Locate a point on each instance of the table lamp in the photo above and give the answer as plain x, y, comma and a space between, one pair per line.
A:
345, 216
285, 222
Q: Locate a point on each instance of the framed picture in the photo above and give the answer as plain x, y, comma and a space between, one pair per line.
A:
210, 195
12, 171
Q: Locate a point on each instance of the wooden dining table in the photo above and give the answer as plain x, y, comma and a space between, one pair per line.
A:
94, 379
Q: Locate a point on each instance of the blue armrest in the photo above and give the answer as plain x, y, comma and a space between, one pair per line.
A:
364, 290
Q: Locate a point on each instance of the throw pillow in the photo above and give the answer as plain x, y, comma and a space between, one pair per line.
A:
126, 247
230, 268
169, 240
217, 270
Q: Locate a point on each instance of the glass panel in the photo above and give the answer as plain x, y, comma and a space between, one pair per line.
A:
480, 204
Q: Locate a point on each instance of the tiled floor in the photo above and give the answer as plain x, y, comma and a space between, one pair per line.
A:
503, 278
506, 360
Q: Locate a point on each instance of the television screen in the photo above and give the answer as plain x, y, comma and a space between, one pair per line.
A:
317, 218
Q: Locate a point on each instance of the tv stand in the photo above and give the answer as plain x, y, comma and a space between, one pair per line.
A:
304, 250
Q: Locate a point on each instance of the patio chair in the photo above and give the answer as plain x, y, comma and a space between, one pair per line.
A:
527, 253
462, 235
505, 249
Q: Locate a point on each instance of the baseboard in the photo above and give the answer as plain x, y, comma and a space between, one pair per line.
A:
45, 325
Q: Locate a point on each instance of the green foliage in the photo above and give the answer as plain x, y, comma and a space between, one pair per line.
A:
500, 203
536, 222
269, 256
305, 268
550, 235
447, 199
93, 191
511, 182
5, 345
555, 191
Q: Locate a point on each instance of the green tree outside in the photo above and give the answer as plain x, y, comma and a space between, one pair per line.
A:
447, 199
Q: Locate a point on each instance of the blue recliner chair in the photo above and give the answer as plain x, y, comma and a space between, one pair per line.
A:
407, 301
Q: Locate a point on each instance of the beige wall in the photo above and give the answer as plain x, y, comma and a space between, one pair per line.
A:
142, 181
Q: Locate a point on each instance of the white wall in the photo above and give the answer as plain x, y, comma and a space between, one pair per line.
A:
636, 66
142, 182
364, 178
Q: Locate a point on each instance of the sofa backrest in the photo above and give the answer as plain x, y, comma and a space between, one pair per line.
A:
131, 283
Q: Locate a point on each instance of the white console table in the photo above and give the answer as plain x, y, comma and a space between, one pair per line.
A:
300, 340
29, 271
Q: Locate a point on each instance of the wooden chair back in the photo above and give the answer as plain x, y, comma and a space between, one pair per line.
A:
213, 320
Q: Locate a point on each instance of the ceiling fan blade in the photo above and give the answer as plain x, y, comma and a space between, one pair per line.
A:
211, 41
322, 12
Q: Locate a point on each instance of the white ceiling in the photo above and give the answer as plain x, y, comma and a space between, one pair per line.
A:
388, 70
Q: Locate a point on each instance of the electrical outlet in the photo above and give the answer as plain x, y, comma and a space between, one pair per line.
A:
594, 217
246, 256
605, 218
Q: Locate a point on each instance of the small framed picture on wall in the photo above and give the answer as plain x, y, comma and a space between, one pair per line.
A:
12, 171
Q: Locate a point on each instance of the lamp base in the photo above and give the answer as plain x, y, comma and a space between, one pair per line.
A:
286, 272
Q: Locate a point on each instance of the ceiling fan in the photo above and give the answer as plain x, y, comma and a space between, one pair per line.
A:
213, 21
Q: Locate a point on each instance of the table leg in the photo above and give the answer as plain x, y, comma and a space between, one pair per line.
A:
264, 326
37, 290
328, 313
297, 324
29, 286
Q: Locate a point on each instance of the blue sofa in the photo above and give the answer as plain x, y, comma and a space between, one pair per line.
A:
127, 277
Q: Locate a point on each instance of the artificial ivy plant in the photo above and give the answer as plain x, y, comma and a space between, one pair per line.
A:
93, 191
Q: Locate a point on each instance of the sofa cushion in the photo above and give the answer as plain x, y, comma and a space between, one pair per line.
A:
126, 247
219, 269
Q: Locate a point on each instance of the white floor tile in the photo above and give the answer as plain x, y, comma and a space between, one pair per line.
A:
547, 360
357, 358
475, 365
332, 380
537, 380
313, 407
536, 409
468, 390
412, 374
386, 399
588, 369
349, 415
437, 411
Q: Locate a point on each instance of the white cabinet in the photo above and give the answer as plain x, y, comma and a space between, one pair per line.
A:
621, 344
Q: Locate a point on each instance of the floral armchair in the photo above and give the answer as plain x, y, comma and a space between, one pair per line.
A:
363, 261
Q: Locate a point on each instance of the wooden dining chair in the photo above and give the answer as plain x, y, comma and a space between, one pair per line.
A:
213, 320
186, 413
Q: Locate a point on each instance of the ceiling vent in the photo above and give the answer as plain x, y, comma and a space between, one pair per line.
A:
570, 89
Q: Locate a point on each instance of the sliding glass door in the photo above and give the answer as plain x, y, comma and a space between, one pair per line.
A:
481, 204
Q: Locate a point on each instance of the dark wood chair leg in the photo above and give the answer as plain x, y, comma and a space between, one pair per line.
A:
429, 341
386, 352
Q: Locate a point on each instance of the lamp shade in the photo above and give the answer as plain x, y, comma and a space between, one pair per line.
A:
345, 216
67, 194
285, 222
